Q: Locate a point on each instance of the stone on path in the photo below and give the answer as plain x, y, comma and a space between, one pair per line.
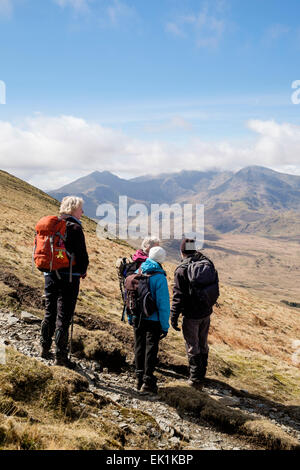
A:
29, 318
229, 401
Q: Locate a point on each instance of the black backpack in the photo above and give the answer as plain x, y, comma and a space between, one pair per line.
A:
203, 280
125, 267
139, 301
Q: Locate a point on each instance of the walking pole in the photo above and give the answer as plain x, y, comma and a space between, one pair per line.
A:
123, 298
71, 335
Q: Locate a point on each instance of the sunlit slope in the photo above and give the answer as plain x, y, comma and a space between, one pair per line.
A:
251, 339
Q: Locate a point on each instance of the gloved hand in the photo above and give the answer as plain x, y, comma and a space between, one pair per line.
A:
163, 334
174, 323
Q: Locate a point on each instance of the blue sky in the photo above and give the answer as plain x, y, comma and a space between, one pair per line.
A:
136, 86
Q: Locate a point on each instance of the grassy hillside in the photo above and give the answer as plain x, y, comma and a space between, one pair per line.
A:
251, 340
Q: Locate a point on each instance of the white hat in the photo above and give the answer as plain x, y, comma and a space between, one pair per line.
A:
158, 254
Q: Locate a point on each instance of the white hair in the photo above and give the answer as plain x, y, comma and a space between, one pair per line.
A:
69, 204
149, 242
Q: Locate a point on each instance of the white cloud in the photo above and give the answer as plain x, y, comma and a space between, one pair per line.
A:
6, 8
51, 151
175, 122
206, 27
277, 144
104, 12
118, 11
275, 32
78, 5
174, 29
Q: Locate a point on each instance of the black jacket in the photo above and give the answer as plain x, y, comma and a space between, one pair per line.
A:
184, 302
75, 243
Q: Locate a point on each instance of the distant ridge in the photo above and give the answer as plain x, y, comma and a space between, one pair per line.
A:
255, 199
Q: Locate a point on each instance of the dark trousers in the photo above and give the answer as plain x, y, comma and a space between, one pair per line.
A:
60, 301
195, 333
146, 342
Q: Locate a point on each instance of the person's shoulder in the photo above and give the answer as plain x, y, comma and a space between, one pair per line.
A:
158, 276
182, 266
158, 280
73, 223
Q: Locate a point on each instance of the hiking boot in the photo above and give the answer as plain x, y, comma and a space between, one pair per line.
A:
197, 384
139, 383
65, 362
149, 388
139, 374
46, 354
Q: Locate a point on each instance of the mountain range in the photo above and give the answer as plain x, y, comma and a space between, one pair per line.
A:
254, 200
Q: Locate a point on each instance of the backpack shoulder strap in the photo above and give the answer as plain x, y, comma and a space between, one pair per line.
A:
184, 263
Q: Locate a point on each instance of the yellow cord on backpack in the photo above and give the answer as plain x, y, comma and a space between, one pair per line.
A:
60, 255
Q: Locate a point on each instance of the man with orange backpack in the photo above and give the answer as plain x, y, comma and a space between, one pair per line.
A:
60, 252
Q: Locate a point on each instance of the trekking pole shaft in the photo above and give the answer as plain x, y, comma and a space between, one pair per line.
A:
71, 335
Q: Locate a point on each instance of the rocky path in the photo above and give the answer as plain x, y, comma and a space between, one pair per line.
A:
22, 332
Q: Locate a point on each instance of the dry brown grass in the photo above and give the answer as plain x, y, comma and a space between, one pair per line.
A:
263, 432
52, 408
100, 346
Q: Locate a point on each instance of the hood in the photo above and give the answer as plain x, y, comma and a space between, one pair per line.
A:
150, 266
140, 255
70, 218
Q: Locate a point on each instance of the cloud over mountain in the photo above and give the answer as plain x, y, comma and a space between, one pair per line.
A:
51, 151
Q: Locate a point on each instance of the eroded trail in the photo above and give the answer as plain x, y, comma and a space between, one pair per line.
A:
178, 428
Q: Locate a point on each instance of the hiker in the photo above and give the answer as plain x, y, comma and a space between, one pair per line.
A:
149, 331
141, 255
61, 291
125, 266
195, 303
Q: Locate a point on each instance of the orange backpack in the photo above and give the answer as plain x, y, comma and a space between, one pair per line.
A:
49, 252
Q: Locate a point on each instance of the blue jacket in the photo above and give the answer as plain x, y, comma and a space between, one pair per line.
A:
159, 291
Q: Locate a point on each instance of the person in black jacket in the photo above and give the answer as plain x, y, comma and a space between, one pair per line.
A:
196, 316
60, 292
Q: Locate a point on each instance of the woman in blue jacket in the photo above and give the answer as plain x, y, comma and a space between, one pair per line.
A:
150, 330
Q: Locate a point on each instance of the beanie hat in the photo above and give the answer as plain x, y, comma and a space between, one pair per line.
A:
188, 246
158, 254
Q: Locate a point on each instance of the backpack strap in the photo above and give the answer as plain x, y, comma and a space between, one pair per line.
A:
70, 255
33, 252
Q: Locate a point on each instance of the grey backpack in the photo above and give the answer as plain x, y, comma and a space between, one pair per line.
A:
203, 280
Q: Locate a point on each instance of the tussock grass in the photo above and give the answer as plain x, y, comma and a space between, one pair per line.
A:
8, 407
265, 433
73, 380
22, 378
58, 436
260, 374
8, 297
101, 346
19, 436
57, 411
